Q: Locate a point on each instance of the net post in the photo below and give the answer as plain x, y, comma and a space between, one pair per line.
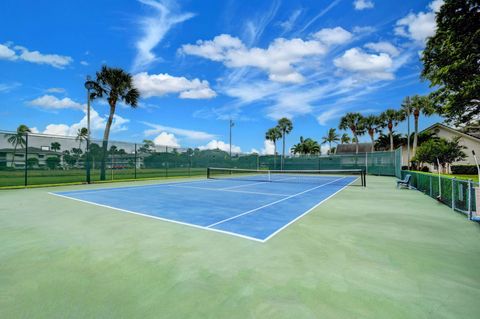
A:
208, 172
26, 160
469, 208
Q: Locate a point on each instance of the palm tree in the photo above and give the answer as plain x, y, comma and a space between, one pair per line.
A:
285, 126
312, 147
273, 135
18, 139
372, 125
306, 146
55, 146
352, 121
82, 134
390, 118
345, 139
331, 137
420, 104
116, 85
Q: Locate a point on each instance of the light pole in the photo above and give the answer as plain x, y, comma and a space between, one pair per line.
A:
89, 85
230, 143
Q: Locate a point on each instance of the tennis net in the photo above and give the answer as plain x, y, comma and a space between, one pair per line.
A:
353, 177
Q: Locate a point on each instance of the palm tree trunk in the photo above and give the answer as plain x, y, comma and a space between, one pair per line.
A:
283, 151
356, 143
274, 154
391, 140
415, 136
373, 142
330, 148
106, 134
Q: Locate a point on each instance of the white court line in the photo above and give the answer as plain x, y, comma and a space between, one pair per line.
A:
308, 211
138, 186
228, 190
273, 203
251, 184
160, 218
244, 185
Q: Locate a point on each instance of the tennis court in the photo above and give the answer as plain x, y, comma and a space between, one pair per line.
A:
251, 204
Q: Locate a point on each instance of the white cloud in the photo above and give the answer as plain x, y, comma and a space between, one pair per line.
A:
419, 26
162, 84
277, 60
435, 5
166, 139
268, 148
383, 46
84, 63
55, 60
332, 36
6, 53
372, 66
328, 115
97, 124
288, 24
21, 53
363, 4
7, 87
215, 144
189, 134
55, 90
51, 102
154, 28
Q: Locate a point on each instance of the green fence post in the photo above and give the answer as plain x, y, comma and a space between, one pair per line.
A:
469, 208
26, 157
135, 163
453, 193
166, 161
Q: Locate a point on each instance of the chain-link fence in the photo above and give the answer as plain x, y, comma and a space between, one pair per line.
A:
458, 194
38, 159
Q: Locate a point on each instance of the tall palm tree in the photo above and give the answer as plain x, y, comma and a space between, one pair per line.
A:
116, 85
285, 126
352, 121
273, 135
331, 137
18, 139
423, 105
390, 118
372, 125
345, 139
82, 134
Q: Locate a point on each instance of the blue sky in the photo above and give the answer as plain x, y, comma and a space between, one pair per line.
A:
200, 63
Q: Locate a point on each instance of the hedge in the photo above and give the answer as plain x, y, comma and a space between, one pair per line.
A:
464, 169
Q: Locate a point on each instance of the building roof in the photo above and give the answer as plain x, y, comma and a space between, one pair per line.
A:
474, 136
31, 150
351, 148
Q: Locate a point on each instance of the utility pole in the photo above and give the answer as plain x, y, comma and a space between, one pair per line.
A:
89, 85
231, 124
408, 104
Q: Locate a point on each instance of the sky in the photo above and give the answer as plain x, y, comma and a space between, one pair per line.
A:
198, 64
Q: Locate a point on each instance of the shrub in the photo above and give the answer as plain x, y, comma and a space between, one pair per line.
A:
464, 169
425, 169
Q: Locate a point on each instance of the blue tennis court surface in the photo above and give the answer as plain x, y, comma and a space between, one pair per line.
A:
255, 210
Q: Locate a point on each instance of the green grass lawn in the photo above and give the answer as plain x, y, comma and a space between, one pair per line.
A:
457, 176
370, 253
